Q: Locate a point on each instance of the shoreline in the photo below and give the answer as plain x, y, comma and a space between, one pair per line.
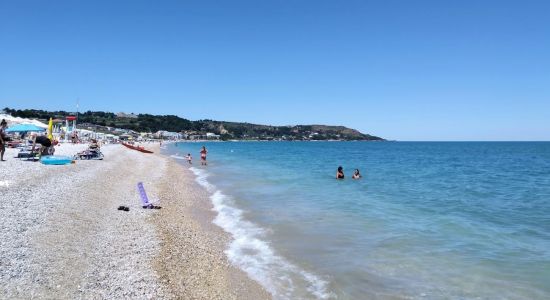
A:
250, 247
65, 238
202, 245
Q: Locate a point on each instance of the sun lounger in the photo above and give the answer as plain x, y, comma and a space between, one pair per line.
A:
30, 153
91, 153
14, 144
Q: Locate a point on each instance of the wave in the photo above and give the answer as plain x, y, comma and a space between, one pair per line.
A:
178, 157
254, 255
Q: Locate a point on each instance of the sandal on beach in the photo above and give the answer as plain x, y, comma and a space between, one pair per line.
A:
126, 208
121, 207
151, 206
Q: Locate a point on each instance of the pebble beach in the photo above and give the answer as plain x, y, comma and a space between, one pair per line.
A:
63, 237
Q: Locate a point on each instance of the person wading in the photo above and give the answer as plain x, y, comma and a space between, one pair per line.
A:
203, 156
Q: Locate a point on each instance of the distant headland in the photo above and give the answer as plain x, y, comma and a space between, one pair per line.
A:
109, 122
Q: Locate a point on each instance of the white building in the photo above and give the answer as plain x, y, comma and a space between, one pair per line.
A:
212, 136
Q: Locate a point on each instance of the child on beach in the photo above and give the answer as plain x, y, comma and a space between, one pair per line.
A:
203, 156
189, 158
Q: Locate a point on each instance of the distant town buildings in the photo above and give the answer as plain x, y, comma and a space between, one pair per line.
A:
125, 115
167, 135
201, 136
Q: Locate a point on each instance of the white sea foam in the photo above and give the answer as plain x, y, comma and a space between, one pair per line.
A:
178, 157
254, 255
201, 179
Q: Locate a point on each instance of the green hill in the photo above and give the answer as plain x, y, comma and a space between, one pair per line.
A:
228, 130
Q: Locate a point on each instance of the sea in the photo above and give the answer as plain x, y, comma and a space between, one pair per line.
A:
428, 220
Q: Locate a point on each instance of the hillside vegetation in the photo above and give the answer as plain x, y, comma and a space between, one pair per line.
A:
228, 130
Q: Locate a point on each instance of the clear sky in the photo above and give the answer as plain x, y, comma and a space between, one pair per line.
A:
406, 70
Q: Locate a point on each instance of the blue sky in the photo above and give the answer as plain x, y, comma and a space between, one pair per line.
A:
406, 70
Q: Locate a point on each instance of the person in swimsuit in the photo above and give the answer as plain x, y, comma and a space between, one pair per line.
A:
340, 173
203, 156
74, 137
356, 174
45, 145
189, 158
93, 144
3, 140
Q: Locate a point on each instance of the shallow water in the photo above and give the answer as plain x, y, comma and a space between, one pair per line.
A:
428, 220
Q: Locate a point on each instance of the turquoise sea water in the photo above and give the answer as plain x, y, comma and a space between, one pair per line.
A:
464, 220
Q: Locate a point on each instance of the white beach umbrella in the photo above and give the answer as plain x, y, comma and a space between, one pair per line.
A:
18, 120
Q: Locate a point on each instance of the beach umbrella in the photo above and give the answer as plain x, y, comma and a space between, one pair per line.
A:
24, 128
50, 129
17, 120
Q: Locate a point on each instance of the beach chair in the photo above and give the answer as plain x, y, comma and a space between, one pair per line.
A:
88, 154
14, 144
27, 154
30, 153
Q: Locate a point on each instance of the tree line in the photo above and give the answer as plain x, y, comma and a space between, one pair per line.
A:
228, 130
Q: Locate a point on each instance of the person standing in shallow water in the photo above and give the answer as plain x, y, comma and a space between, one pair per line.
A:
340, 173
203, 156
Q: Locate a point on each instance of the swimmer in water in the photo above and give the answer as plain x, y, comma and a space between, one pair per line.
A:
340, 173
356, 174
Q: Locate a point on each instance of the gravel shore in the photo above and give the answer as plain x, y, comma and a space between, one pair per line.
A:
63, 237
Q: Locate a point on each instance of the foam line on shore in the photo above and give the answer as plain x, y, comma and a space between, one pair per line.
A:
177, 157
254, 255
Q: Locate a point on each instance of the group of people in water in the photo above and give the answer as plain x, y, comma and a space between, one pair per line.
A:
340, 173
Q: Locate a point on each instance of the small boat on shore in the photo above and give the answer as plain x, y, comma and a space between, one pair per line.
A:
138, 148
129, 146
141, 149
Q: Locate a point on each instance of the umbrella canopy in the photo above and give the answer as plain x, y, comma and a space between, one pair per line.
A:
50, 129
17, 120
24, 128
